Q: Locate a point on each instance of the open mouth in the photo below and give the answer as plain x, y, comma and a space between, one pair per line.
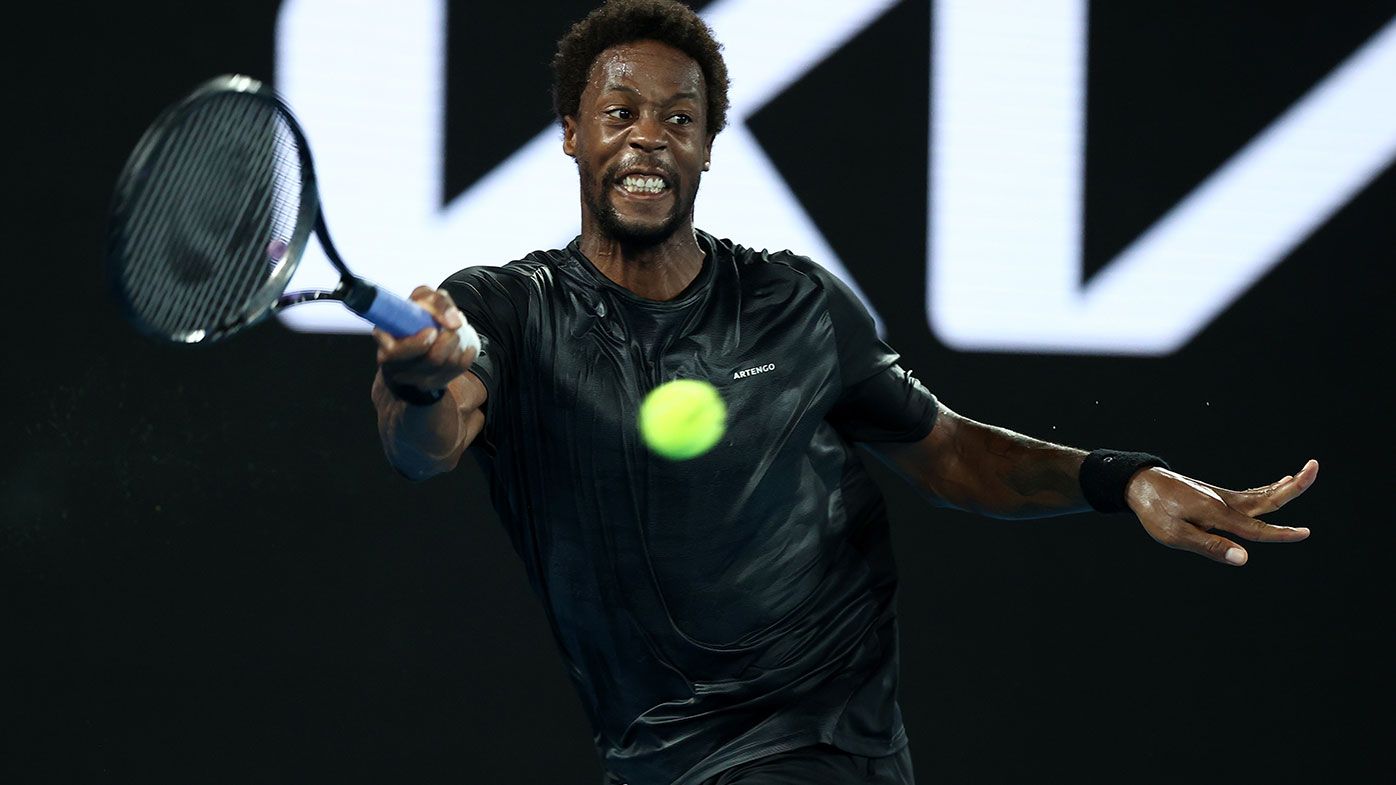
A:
643, 184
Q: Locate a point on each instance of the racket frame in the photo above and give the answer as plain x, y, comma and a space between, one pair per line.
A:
309, 217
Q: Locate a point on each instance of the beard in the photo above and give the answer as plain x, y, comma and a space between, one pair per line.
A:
599, 200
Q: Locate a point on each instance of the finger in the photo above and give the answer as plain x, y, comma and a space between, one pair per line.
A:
1268, 498
467, 346
446, 311
434, 301
1218, 549
1229, 520
444, 350
386, 344
412, 347
469, 339
467, 357
439, 304
1307, 475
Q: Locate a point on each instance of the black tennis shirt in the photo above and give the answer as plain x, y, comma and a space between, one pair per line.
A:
727, 607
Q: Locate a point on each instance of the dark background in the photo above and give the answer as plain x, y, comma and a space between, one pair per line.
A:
210, 574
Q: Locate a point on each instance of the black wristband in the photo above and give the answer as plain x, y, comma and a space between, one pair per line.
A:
1105, 473
414, 396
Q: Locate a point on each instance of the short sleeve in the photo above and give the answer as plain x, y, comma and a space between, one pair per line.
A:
494, 312
891, 406
862, 354
880, 402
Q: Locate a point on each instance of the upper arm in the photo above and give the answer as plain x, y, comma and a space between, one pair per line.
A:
471, 395
931, 461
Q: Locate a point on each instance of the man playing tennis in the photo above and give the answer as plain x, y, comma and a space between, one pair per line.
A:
731, 618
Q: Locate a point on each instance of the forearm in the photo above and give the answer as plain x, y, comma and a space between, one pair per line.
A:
423, 441
1008, 475
991, 471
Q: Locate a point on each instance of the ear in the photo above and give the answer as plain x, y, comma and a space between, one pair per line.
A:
569, 137
708, 152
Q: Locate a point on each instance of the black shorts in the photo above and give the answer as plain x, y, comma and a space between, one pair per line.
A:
822, 764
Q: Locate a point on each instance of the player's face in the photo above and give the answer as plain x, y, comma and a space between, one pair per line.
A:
640, 141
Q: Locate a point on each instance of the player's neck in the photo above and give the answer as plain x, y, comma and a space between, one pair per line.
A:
655, 272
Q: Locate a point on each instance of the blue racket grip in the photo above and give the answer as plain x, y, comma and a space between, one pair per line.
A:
399, 317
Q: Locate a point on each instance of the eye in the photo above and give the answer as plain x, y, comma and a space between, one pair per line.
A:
620, 113
681, 119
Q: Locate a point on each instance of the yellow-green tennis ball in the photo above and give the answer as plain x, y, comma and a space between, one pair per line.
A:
683, 419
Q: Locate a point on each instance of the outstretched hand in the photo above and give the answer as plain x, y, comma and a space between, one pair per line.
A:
1184, 513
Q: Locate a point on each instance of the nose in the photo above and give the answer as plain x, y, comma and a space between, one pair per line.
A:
647, 134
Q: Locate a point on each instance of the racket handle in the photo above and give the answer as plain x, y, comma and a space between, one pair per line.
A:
399, 317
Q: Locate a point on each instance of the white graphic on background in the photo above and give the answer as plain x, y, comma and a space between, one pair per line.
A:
1008, 173
1006, 164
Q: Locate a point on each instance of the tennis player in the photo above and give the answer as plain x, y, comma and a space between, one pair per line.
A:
731, 618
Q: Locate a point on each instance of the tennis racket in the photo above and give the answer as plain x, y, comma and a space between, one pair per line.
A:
212, 214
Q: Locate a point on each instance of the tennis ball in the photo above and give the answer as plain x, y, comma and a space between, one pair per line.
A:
683, 419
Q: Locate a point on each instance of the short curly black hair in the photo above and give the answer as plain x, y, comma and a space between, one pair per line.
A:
623, 21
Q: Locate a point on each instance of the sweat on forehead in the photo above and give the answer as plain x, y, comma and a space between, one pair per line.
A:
652, 63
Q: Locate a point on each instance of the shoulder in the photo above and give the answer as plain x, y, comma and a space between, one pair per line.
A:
794, 271
803, 277
533, 274
771, 266
498, 298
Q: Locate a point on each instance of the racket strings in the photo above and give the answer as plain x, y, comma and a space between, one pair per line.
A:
177, 187
227, 295
224, 293
224, 187
182, 193
256, 271
163, 266
139, 255
273, 211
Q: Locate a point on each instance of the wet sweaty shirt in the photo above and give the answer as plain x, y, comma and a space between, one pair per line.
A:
737, 604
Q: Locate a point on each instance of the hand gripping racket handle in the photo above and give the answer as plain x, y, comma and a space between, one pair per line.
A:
397, 316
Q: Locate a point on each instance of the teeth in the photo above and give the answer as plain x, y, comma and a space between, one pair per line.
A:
636, 183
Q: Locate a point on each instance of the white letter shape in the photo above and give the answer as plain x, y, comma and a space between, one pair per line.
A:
1007, 167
